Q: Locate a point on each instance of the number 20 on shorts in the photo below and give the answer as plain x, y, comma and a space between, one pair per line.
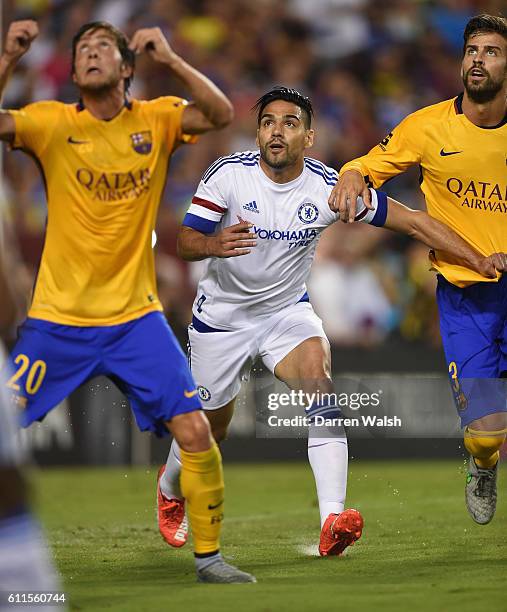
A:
36, 373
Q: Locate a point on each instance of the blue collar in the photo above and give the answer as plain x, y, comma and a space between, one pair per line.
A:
458, 105
80, 106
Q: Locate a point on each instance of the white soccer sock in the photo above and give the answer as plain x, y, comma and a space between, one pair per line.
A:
329, 460
204, 562
170, 480
25, 562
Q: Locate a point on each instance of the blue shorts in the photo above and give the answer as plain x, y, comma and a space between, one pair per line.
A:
473, 324
142, 357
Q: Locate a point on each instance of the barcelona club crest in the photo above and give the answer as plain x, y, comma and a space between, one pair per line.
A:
141, 142
308, 212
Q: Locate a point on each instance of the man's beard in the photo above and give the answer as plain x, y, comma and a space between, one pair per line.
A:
100, 89
276, 164
485, 91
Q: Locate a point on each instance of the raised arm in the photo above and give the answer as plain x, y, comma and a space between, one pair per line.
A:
419, 225
210, 109
18, 39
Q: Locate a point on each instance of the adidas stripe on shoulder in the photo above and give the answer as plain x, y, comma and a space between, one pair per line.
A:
246, 158
329, 175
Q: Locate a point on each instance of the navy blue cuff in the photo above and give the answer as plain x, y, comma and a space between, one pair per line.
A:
204, 226
380, 216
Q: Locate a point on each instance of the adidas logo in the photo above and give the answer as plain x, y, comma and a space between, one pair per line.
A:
251, 206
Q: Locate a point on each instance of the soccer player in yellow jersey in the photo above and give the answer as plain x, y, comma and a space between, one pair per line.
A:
95, 308
460, 146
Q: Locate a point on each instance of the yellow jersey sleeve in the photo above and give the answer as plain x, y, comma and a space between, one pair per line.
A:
400, 149
168, 112
34, 126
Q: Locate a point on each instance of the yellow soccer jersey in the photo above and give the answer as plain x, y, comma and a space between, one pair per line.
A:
104, 180
463, 177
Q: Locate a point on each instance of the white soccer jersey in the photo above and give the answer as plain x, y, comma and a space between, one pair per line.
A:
10, 451
287, 218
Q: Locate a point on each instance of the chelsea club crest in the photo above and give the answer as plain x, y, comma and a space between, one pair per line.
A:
308, 212
204, 393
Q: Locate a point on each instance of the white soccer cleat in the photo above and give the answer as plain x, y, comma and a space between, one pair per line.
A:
221, 572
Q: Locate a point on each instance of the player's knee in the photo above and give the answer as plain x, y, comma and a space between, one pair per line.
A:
314, 369
316, 379
495, 423
201, 434
193, 432
483, 444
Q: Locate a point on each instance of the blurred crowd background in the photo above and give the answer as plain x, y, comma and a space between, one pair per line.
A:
365, 65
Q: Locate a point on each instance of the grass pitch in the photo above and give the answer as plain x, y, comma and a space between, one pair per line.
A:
419, 550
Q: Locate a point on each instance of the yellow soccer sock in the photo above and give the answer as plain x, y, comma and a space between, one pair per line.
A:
202, 484
484, 446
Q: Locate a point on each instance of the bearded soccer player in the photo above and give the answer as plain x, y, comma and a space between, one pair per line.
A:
252, 302
95, 309
460, 146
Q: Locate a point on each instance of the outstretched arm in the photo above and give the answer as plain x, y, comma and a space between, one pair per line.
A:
399, 150
18, 39
435, 234
210, 110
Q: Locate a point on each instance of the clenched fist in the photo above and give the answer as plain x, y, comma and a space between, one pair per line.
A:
489, 266
153, 42
18, 39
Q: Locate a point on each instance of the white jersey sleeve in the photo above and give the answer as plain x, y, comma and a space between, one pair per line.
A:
329, 176
376, 216
209, 203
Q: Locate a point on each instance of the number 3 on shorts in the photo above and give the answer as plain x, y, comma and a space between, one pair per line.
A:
36, 374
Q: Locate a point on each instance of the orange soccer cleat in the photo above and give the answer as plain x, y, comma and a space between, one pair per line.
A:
339, 531
172, 522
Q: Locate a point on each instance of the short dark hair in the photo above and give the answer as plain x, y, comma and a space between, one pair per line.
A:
290, 95
122, 42
482, 24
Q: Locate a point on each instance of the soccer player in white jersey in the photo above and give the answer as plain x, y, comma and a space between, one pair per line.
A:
256, 218
25, 562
